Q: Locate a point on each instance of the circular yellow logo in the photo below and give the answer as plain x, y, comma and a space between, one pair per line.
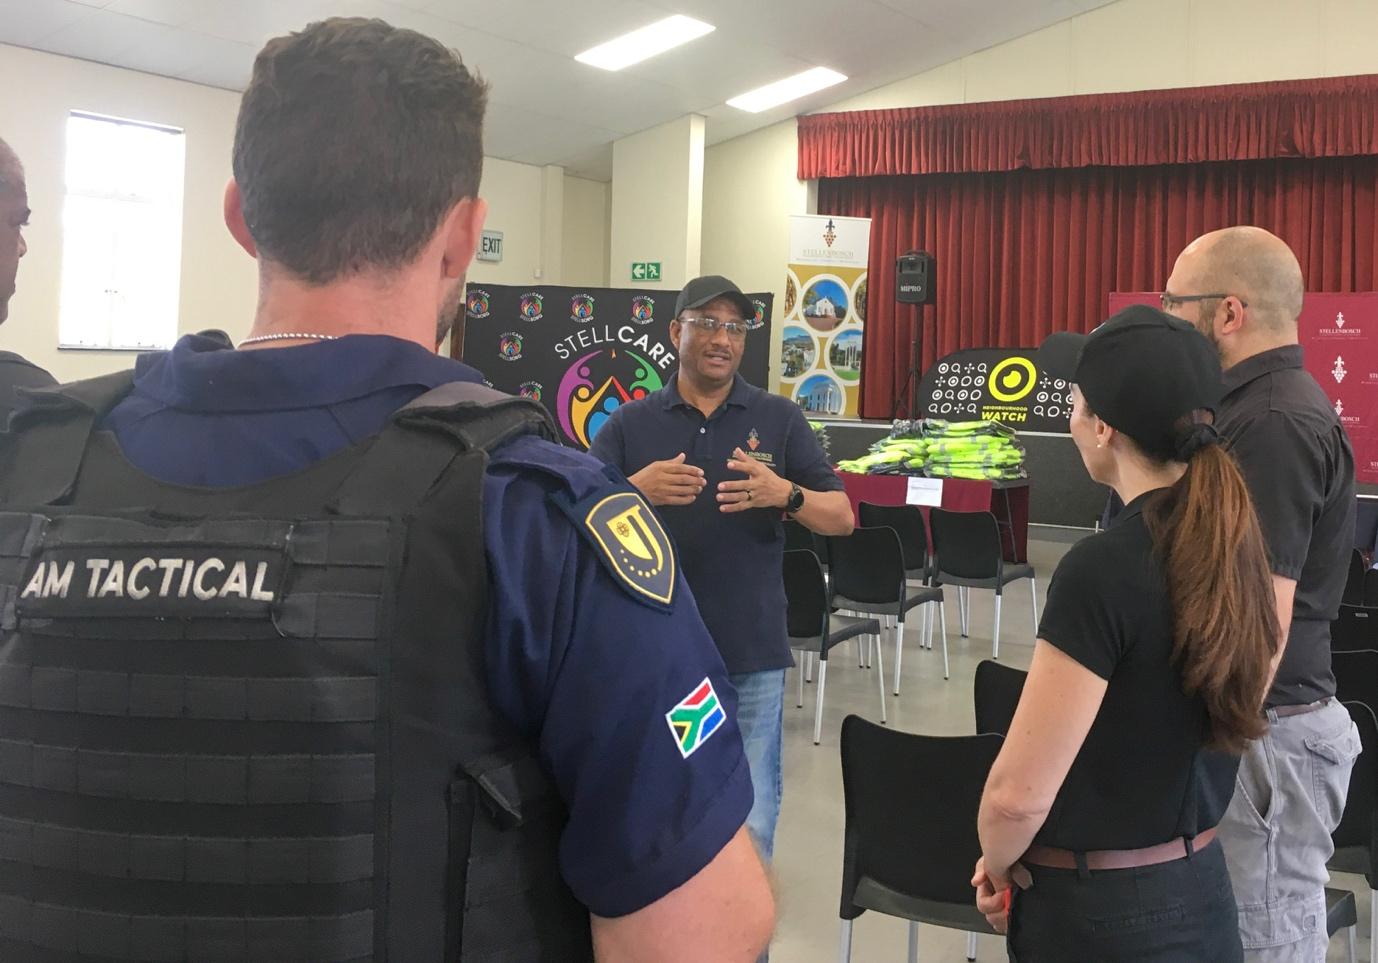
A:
1012, 379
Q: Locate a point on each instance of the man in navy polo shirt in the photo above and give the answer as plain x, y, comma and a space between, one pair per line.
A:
363, 233
724, 461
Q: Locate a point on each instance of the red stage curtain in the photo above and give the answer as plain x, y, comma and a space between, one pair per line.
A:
1332, 117
1022, 254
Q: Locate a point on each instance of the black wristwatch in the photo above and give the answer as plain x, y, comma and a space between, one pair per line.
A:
796, 500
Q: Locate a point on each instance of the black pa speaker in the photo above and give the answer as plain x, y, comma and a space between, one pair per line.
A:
914, 277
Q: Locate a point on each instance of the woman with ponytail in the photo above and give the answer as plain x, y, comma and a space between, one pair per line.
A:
1154, 653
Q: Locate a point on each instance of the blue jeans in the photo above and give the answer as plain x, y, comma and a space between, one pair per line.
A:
760, 716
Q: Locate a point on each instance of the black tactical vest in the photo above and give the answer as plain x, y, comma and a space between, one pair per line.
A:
252, 724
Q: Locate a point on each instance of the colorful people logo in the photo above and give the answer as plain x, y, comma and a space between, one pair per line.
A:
510, 346
643, 309
531, 389
581, 308
598, 384
476, 304
532, 307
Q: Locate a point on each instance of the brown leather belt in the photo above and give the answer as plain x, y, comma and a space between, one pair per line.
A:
1282, 712
1179, 848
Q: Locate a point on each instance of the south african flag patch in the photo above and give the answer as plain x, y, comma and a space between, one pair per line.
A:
696, 718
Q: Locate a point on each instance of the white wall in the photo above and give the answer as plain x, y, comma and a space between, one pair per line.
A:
1129, 45
219, 281
657, 203
218, 286
588, 212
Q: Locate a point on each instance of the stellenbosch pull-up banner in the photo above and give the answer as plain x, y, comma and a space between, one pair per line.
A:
584, 352
825, 313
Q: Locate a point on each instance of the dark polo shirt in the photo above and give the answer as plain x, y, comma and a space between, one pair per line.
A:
732, 561
15, 373
1299, 466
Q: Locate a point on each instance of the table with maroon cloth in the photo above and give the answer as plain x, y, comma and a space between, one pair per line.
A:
1007, 500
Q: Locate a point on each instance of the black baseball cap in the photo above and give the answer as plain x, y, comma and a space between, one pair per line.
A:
1140, 372
700, 291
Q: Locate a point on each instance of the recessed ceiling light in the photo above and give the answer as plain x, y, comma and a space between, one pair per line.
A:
783, 91
639, 45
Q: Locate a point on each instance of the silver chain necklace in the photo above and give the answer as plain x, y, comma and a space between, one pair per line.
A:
291, 336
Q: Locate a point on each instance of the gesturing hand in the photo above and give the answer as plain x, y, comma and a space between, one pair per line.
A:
761, 488
670, 482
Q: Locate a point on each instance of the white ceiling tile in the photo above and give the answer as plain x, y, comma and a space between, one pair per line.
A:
257, 21
25, 22
174, 13
223, 64
103, 37
566, 27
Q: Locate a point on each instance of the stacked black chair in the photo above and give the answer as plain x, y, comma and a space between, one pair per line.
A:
868, 576
969, 554
893, 863
813, 628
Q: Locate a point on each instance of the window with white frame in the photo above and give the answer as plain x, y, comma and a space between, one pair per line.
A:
121, 234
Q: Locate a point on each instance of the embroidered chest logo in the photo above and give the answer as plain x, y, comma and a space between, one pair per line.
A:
753, 440
753, 449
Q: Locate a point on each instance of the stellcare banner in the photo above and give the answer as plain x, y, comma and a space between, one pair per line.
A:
583, 352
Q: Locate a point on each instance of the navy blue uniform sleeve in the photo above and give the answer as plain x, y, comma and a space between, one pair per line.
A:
608, 446
1079, 616
805, 464
597, 680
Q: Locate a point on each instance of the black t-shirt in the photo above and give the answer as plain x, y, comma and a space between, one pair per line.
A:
15, 373
1299, 466
1142, 776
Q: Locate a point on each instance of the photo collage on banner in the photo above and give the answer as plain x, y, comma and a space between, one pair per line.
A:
825, 313
584, 352
1339, 340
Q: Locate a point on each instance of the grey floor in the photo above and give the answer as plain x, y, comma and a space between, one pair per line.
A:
808, 843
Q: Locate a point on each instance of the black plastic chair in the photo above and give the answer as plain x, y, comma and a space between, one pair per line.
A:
908, 523
998, 688
969, 554
1341, 913
1356, 676
1356, 627
1354, 583
798, 538
1356, 838
868, 576
894, 863
813, 628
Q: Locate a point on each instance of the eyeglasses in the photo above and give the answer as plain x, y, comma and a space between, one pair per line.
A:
734, 329
1168, 299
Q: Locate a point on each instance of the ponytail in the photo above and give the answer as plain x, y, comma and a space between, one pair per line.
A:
1225, 625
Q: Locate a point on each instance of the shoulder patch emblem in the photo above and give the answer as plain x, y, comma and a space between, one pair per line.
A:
632, 544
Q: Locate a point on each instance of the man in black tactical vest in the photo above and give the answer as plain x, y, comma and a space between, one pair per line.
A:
318, 650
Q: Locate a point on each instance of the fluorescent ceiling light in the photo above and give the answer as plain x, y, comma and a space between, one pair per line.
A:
783, 91
639, 45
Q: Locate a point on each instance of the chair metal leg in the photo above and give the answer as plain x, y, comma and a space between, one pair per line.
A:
844, 950
880, 679
899, 651
971, 948
808, 666
1352, 945
964, 602
1033, 598
913, 942
803, 659
1373, 926
942, 612
818, 706
995, 636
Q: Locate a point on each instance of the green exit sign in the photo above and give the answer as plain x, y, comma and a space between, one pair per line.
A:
645, 270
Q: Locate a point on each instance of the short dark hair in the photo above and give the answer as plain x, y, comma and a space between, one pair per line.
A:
355, 138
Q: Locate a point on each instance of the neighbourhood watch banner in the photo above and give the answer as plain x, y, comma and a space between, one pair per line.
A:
583, 352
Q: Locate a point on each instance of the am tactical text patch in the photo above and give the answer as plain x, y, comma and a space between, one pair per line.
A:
151, 582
